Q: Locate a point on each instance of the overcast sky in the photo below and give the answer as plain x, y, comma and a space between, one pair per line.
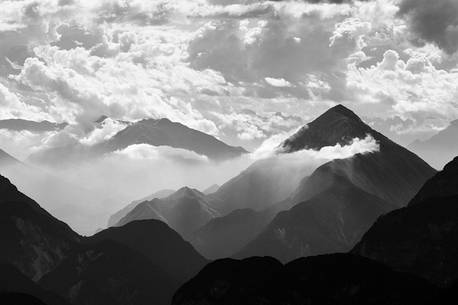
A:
240, 70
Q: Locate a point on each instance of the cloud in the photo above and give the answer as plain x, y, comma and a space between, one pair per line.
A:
149, 152
277, 82
433, 21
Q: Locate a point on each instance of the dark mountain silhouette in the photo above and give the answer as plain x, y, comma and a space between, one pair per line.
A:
226, 235
14, 298
108, 273
33, 240
16, 288
332, 208
109, 268
332, 221
116, 217
185, 211
156, 241
164, 132
422, 237
440, 148
33, 126
336, 279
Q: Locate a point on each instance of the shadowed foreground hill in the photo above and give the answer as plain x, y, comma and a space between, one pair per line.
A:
421, 238
110, 268
156, 241
336, 279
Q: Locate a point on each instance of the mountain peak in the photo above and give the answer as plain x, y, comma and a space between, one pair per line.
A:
342, 111
338, 125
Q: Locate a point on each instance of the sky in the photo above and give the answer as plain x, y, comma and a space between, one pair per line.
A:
247, 72
241, 70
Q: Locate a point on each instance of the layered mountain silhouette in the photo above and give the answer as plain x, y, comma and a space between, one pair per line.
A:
332, 221
32, 126
440, 148
119, 266
333, 207
422, 237
116, 217
261, 185
223, 236
160, 132
330, 279
185, 211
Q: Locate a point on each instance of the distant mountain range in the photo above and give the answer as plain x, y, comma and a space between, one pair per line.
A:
161, 132
440, 148
185, 211
325, 212
32, 126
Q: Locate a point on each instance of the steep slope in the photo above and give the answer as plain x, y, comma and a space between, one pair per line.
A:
32, 240
393, 173
422, 237
116, 217
184, 211
14, 286
338, 279
223, 236
107, 273
332, 221
164, 132
156, 241
261, 185
440, 148
94, 271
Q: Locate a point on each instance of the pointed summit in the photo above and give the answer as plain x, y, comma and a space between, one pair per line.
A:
338, 125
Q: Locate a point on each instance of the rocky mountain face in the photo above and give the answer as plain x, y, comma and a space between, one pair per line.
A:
32, 126
422, 237
336, 279
440, 148
185, 211
392, 173
333, 207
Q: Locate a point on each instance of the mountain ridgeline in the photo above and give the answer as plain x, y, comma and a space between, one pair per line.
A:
117, 266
